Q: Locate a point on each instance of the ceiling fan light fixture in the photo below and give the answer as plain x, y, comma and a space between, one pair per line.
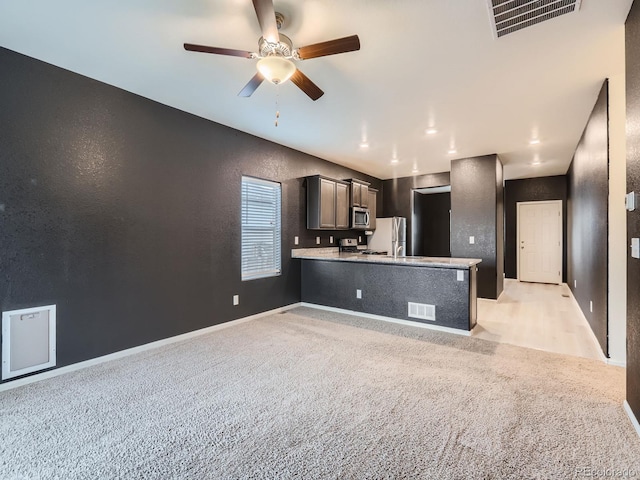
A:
276, 69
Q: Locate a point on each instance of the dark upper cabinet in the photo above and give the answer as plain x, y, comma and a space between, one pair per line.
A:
355, 194
359, 193
342, 206
327, 204
372, 195
364, 195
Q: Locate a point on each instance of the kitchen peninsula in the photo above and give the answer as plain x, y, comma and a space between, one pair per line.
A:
432, 290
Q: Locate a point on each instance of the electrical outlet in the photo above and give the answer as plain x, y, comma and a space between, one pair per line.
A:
575, 284
360, 239
591, 306
460, 275
358, 293
330, 239
317, 240
472, 240
236, 299
296, 240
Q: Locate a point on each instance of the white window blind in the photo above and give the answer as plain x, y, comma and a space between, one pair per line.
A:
261, 228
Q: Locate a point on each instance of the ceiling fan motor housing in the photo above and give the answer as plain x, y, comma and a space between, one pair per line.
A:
284, 48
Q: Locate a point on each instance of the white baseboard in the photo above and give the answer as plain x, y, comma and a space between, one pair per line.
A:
616, 363
632, 417
388, 319
592, 335
141, 348
492, 300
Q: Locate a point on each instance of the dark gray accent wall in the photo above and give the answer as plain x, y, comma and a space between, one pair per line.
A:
632, 42
398, 197
531, 190
433, 224
125, 213
587, 226
477, 210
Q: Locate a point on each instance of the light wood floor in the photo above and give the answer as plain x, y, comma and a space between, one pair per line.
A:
536, 315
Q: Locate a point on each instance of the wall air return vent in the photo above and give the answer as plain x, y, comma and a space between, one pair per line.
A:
422, 311
28, 340
508, 16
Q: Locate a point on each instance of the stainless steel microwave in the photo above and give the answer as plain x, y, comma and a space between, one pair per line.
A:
359, 218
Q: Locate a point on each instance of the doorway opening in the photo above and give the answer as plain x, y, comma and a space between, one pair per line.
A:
432, 221
539, 251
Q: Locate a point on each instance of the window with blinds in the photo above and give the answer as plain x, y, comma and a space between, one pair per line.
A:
261, 228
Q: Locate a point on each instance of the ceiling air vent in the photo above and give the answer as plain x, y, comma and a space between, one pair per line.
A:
509, 16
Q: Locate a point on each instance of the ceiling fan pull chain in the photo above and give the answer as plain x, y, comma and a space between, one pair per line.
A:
277, 111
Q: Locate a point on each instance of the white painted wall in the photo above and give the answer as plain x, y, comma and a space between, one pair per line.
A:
617, 214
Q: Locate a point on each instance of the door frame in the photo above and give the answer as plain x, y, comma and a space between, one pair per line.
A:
560, 220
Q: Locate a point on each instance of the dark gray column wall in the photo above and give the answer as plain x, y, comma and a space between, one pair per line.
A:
477, 210
126, 213
633, 218
398, 196
531, 190
587, 210
499, 227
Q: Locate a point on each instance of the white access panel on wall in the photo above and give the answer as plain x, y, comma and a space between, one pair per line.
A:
28, 340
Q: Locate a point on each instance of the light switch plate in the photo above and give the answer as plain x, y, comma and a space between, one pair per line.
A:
630, 201
358, 293
296, 240
330, 239
635, 247
460, 275
472, 240
317, 240
236, 299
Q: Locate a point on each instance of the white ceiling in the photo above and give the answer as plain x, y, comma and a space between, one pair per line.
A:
422, 62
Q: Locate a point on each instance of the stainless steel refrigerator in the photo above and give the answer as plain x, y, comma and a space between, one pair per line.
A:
390, 235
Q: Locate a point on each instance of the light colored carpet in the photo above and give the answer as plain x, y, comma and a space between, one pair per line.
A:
311, 394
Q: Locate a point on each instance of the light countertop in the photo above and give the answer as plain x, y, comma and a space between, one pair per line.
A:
333, 254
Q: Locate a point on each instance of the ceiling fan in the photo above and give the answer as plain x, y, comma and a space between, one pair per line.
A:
276, 53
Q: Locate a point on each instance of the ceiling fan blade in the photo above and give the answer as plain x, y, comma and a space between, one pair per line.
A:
339, 45
220, 51
267, 19
251, 87
306, 85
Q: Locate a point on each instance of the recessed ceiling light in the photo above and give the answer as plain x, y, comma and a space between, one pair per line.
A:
431, 131
534, 141
364, 145
452, 151
394, 160
535, 161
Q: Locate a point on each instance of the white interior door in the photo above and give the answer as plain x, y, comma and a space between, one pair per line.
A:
540, 241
